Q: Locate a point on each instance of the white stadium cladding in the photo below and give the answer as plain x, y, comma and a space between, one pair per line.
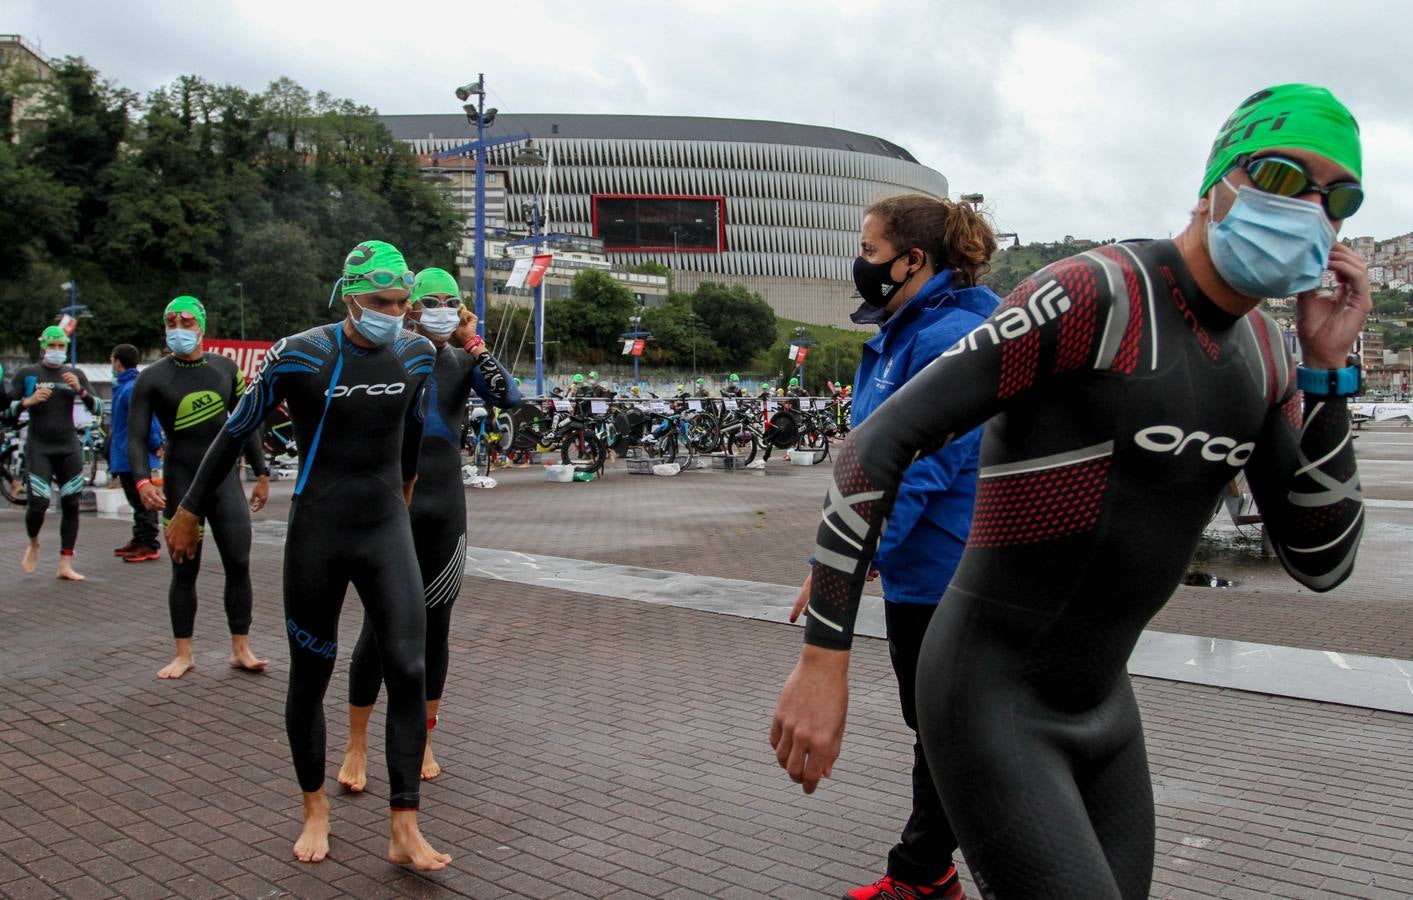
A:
791, 196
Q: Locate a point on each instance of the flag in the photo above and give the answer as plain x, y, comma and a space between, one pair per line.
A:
537, 270
628, 346
794, 349
800, 357
68, 323
518, 274
638, 346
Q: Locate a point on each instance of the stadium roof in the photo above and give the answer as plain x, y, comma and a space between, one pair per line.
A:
660, 128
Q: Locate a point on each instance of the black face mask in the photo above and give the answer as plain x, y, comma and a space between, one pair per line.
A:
875, 284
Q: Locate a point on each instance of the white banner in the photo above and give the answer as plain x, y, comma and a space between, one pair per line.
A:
520, 272
598, 407
794, 348
563, 405
730, 403
627, 346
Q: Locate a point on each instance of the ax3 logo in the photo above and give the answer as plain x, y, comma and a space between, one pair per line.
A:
372, 390
1170, 439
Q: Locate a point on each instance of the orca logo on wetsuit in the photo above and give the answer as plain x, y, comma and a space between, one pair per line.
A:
372, 390
1214, 448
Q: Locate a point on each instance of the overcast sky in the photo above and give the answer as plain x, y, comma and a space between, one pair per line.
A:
1084, 117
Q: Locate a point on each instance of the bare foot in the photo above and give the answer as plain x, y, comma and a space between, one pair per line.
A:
430, 767
66, 570
353, 774
408, 847
177, 667
30, 559
313, 843
248, 661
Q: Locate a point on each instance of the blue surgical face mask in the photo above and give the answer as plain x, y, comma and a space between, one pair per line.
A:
182, 342
377, 327
55, 358
1270, 246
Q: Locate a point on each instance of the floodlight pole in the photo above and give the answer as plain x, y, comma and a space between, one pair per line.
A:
481, 206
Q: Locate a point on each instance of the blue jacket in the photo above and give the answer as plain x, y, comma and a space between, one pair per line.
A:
931, 519
118, 440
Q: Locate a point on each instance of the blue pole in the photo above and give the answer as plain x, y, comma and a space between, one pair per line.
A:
481, 210
539, 307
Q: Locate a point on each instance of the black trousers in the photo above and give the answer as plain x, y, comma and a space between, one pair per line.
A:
924, 851
144, 520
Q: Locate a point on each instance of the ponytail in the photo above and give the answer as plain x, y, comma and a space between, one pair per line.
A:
954, 235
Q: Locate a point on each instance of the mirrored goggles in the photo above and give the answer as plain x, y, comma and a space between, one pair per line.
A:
1288, 178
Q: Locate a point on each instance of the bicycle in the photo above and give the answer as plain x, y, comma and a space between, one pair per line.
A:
14, 470
566, 432
485, 438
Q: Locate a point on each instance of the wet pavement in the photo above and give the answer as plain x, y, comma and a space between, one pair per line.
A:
597, 744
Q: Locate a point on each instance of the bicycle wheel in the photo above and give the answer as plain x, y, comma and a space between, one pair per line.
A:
14, 481
667, 448
703, 432
481, 457
90, 465
581, 449
744, 445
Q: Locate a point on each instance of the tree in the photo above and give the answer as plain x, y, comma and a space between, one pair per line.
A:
739, 321
278, 264
588, 322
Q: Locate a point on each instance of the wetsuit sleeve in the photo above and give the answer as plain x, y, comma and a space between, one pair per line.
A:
253, 451
412, 431
255, 404
140, 424
492, 383
1305, 480
1053, 324
90, 400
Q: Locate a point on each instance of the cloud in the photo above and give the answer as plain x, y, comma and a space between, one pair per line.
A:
1091, 117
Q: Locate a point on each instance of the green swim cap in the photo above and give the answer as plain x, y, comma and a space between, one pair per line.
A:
192, 305
433, 281
735, 377
594, 375
374, 256
578, 379
794, 382
53, 334
1288, 115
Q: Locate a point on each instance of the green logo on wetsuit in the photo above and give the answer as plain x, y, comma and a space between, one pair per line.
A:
197, 408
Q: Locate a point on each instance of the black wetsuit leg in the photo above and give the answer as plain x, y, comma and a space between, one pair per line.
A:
923, 854
66, 470
229, 523
378, 559
441, 556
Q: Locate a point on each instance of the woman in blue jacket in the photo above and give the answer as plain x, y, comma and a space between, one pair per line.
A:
917, 271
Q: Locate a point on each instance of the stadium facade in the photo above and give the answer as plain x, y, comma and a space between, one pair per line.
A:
771, 205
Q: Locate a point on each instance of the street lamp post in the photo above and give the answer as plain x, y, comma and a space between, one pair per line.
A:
802, 341
477, 114
241, 287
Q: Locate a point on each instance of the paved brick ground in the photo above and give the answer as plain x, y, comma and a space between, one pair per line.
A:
593, 747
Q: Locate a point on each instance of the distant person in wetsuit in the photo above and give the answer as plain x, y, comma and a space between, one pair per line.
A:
356, 394
1124, 387
49, 389
920, 260
143, 544
463, 366
732, 387
191, 393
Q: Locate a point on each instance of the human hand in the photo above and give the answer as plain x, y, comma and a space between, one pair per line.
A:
38, 397
466, 327
803, 599
72, 381
1329, 325
260, 494
808, 727
152, 496
182, 535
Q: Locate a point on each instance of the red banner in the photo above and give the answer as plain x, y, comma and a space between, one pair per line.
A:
800, 357
247, 354
538, 269
638, 346
68, 323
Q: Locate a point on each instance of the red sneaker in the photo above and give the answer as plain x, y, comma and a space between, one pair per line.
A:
125, 549
948, 887
143, 554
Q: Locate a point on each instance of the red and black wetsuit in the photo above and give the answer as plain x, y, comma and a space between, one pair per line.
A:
1120, 400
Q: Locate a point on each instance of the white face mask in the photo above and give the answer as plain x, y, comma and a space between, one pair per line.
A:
55, 357
440, 322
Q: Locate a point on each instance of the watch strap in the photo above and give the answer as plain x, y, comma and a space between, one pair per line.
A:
1344, 382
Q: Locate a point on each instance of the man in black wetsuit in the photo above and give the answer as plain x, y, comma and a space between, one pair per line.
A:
463, 366
191, 392
355, 393
49, 389
1127, 385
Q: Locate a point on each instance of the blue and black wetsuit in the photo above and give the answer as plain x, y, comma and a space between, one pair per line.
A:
438, 512
191, 400
1123, 400
357, 416
52, 449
